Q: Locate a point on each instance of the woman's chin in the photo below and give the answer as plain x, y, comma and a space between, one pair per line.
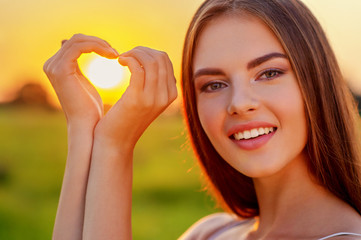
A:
261, 170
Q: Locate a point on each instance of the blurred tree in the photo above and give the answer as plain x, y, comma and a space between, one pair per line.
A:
4, 173
31, 94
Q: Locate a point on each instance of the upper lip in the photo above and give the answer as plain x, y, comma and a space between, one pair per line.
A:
248, 126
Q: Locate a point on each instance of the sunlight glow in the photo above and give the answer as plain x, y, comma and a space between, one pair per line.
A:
105, 73
108, 77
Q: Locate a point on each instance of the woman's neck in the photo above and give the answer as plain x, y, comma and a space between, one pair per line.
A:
293, 204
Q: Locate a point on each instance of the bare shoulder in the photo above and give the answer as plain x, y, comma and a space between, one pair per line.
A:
346, 227
207, 225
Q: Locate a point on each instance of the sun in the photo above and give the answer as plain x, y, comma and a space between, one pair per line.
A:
103, 72
108, 77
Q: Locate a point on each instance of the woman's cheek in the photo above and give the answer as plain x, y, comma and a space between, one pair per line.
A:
212, 112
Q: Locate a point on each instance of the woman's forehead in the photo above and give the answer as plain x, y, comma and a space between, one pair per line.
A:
233, 37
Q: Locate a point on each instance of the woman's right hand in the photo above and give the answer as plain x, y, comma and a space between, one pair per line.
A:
79, 99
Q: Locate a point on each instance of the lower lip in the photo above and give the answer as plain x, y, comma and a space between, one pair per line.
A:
254, 143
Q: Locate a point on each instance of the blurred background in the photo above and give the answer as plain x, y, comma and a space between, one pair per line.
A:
168, 194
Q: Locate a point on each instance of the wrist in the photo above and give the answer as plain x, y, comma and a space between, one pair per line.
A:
109, 142
74, 127
108, 153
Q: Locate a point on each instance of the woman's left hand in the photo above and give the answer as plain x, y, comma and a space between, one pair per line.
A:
152, 88
109, 191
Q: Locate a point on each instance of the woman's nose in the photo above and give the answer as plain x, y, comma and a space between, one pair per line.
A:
242, 101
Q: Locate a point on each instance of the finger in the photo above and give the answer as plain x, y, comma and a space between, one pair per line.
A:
49, 63
81, 38
136, 70
85, 38
162, 87
68, 44
150, 66
166, 80
172, 83
73, 52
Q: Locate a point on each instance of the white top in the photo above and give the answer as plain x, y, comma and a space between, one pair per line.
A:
223, 226
246, 225
340, 234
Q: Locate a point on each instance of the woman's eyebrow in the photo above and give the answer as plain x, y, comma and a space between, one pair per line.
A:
258, 61
252, 64
208, 72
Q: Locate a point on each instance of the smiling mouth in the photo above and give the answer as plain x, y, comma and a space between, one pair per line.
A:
252, 133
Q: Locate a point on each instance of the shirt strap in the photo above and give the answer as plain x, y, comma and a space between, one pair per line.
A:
340, 234
225, 228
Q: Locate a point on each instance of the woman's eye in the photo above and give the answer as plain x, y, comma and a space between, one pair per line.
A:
270, 74
213, 86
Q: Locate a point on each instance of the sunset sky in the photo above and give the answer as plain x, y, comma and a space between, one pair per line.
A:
31, 32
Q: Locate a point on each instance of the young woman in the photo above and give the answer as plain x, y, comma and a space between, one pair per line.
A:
270, 117
272, 122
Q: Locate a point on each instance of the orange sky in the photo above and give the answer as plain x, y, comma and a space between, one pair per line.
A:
31, 31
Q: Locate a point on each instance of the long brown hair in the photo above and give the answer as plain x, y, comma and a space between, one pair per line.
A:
333, 143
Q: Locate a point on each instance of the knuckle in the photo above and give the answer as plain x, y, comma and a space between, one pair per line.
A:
163, 54
162, 72
138, 49
159, 57
153, 63
46, 66
77, 36
52, 72
56, 70
74, 45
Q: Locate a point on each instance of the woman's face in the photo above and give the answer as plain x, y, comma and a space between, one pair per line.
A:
248, 98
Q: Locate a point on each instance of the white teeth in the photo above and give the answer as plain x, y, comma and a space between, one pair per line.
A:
238, 136
253, 133
247, 135
261, 131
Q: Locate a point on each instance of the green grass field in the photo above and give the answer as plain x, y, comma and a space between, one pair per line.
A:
167, 196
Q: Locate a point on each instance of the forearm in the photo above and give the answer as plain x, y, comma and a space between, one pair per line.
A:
83, 109
109, 193
70, 214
